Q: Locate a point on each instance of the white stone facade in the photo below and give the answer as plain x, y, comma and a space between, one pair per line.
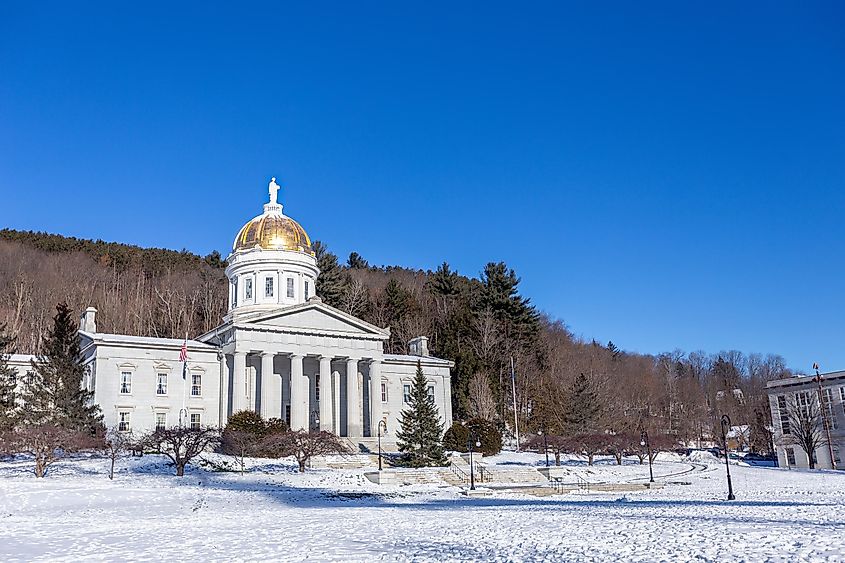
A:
280, 351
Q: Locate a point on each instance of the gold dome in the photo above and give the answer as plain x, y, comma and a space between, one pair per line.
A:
273, 231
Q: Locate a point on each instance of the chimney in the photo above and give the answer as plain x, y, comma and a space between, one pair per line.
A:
418, 346
88, 322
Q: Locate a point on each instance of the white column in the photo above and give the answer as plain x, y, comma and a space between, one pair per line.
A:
224, 390
353, 413
268, 385
336, 405
326, 422
239, 382
298, 395
375, 396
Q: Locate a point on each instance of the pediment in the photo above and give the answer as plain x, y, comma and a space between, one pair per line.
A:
318, 318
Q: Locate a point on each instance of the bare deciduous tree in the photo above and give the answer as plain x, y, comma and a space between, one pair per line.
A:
182, 444
115, 444
806, 424
482, 403
46, 443
304, 445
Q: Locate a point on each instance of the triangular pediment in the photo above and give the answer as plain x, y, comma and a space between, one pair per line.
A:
317, 318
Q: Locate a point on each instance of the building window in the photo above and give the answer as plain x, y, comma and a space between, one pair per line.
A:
290, 288
804, 400
827, 395
384, 392
161, 384
430, 391
125, 382
842, 397
790, 456
268, 287
195, 421
196, 385
248, 289
406, 393
235, 292
317, 389
784, 414
307, 290
123, 421
161, 420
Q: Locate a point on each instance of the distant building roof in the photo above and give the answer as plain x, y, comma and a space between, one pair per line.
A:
833, 376
106, 338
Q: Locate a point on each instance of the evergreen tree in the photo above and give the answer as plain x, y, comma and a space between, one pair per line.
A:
583, 407
7, 381
614, 350
215, 260
444, 282
399, 304
56, 395
332, 281
420, 429
357, 261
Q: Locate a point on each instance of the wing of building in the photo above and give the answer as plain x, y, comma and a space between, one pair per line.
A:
279, 351
809, 405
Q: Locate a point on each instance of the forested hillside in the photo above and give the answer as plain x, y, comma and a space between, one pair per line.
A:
482, 323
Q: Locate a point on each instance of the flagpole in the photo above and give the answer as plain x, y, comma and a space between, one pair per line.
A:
183, 414
823, 405
515, 418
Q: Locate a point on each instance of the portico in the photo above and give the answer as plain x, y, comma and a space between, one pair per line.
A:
311, 365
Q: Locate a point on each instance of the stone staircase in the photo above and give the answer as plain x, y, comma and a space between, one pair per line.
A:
511, 475
355, 461
442, 476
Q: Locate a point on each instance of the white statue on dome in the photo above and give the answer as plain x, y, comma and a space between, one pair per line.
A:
274, 191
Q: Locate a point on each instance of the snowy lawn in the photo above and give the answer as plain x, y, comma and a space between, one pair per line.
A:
274, 513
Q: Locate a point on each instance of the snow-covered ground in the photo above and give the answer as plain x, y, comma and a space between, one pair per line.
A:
273, 513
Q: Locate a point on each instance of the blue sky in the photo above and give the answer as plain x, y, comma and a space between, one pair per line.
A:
662, 175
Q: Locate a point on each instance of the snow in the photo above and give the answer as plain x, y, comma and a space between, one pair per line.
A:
271, 512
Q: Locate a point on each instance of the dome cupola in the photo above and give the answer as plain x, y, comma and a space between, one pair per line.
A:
272, 263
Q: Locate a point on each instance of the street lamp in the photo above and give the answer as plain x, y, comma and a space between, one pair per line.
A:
644, 442
380, 424
726, 425
472, 439
545, 445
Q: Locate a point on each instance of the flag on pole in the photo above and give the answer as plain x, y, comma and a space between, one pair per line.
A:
183, 357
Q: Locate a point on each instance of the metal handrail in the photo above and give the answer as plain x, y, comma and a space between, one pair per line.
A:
484, 474
558, 484
459, 473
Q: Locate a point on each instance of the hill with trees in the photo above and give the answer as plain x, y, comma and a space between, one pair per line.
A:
481, 323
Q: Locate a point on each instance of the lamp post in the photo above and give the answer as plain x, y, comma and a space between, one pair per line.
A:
472, 439
644, 442
380, 424
545, 445
726, 425
823, 405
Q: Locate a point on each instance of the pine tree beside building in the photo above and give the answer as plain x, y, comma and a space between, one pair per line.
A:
55, 395
7, 381
332, 281
420, 429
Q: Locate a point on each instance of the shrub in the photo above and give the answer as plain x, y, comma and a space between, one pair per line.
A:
486, 431
247, 435
247, 421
